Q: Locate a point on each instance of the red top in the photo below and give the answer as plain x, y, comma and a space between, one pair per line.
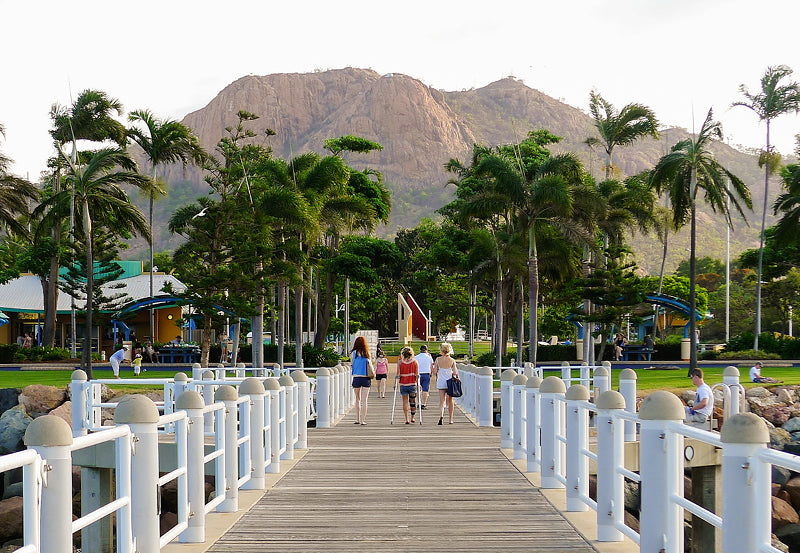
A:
408, 372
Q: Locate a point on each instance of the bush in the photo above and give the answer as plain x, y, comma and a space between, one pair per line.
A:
748, 354
666, 351
784, 346
312, 357
8, 352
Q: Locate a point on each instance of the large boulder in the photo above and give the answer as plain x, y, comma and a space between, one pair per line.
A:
9, 397
780, 475
757, 391
778, 437
758, 404
783, 514
13, 424
790, 535
777, 415
10, 518
792, 425
38, 398
792, 487
787, 395
64, 411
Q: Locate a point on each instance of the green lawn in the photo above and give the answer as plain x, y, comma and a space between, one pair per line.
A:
648, 379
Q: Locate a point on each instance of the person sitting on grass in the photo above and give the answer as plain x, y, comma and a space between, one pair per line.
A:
703, 406
755, 375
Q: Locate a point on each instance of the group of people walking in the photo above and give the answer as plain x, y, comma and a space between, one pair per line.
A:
414, 375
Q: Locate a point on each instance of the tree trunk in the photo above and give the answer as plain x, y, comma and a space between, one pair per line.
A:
761, 246
86, 354
298, 322
205, 348
533, 297
324, 312
152, 241
692, 294
281, 320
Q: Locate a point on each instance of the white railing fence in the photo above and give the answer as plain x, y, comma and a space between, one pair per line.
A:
255, 422
548, 425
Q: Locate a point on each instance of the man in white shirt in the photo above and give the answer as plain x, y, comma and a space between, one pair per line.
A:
117, 358
703, 406
424, 360
755, 375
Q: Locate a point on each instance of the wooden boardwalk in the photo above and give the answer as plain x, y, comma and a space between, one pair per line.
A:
422, 488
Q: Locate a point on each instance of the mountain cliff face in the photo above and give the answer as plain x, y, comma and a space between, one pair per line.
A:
421, 128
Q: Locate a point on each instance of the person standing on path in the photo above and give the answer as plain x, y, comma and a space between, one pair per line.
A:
407, 374
117, 358
424, 360
381, 373
444, 368
361, 382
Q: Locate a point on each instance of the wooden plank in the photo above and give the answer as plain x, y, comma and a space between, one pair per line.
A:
382, 487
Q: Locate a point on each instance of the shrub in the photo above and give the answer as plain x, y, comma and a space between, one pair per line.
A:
666, 351
312, 357
8, 353
748, 354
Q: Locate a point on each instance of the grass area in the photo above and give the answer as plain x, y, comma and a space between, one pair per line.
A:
648, 379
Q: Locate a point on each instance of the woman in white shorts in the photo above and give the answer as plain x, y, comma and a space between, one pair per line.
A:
444, 368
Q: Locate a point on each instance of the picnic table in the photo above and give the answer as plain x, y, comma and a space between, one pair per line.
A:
636, 353
179, 354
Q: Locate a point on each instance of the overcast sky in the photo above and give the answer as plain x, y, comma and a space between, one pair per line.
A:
679, 57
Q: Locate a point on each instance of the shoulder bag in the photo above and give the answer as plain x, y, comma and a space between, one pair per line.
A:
454, 387
370, 369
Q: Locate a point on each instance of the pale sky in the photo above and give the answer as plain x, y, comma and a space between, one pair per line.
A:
679, 57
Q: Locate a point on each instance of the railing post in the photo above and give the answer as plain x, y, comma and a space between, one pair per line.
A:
208, 398
506, 408
747, 509
552, 390
661, 473
197, 372
730, 377
519, 435
221, 372
566, 372
228, 395
78, 392
141, 414
51, 438
324, 397
287, 382
192, 403
610, 455
577, 441
181, 382
336, 392
627, 387
241, 370
303, 408
602, 381
255, 389
274, 389
533, 449
586, 377
485, 393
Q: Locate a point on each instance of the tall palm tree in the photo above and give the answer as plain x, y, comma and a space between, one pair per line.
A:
96, 186
15, 193
689, 167
787, 230
773, 100
619, 128
163, 142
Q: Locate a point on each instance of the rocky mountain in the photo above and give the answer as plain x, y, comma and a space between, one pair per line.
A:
421, 128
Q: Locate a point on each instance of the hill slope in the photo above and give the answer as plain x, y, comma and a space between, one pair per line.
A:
421, 128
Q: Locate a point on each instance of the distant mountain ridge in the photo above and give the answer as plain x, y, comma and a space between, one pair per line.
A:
421, 128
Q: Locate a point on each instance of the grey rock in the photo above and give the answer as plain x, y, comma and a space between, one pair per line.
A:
9, 397
13, 490
632, 496
13, 424
778, 437
780, 475
792, 425
757, 391
789, 535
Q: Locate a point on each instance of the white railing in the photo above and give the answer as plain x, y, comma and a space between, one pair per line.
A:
31, 464
253, 428
548, 425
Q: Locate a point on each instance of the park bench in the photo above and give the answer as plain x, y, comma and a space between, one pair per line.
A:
636, 353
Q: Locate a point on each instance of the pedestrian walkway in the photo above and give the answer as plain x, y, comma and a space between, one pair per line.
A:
397, 487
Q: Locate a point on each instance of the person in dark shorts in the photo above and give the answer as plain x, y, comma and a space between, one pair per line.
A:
407, 375
361, 382
425, 361
381, 373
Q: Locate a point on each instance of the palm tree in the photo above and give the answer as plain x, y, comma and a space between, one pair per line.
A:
787, 231
96, 186
689, 167
163, 142
773, 100
15, 193
619, 128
